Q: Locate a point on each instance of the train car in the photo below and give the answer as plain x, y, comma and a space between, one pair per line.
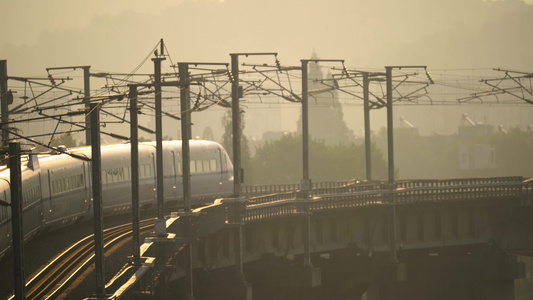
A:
57, 189
5, 217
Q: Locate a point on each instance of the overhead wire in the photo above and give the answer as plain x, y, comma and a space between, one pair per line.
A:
214, 90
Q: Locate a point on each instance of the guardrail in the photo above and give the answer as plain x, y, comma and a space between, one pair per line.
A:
268, 189
351, 194
527, 191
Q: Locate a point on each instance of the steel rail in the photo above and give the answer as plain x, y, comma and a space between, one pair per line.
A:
53, 278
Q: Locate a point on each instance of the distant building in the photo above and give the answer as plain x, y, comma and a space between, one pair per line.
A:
326, 119
479, 157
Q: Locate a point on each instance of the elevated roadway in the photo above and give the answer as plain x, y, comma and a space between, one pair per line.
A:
419, 239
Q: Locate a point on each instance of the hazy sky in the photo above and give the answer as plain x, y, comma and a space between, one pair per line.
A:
117, 35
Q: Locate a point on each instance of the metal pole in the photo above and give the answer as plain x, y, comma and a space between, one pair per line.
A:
305, 125
390, 129
134, 144
183, 69
236, 122
97, 200
159, 144
160, 224
16, 219
390, 144
87, 102
237, 172
306, 183
368, 153
3, 100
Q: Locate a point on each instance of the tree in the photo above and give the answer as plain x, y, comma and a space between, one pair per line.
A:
227, 143
65, 140
280, 161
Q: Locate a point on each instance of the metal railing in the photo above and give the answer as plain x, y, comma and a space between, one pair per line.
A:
352, 194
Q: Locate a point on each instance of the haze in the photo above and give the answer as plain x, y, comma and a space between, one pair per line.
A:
117, 35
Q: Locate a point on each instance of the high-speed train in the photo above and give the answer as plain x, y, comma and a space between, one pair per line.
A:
56, 189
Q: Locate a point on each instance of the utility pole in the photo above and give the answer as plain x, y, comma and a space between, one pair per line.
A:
96, 164
390, 151
390, 124
235, 124
16, 220
4, 102
87, 102
184, 85
134, 144
306, 182
160, 226
236, 94
366, 108
183, 70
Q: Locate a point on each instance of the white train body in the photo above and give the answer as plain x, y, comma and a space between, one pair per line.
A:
57, 191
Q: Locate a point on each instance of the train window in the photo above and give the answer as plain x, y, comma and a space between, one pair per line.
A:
29, 197
213, 164
61, 185
145, 171
55, 186
111, 176
120, 174
207, 167
178, 166
127, 174
36, 194
193, 166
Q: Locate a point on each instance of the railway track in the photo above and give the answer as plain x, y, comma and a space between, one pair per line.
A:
53, 278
